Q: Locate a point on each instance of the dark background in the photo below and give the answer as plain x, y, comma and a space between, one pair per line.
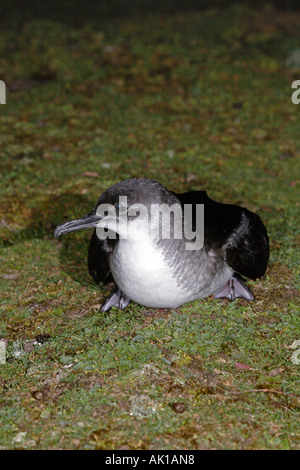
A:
14, 13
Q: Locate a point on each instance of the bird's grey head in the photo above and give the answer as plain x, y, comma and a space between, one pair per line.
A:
124, 208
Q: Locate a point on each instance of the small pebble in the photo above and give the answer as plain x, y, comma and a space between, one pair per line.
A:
179, 407
28, 347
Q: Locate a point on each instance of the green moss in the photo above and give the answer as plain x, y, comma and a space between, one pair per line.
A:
198, 103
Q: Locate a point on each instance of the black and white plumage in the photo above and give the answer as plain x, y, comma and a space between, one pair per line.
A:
162, 273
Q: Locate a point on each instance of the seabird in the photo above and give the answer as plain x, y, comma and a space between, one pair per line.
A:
152, 263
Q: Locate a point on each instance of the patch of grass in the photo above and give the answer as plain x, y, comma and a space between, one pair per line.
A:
198, 103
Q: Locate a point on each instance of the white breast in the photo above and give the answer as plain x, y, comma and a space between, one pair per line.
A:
141, 273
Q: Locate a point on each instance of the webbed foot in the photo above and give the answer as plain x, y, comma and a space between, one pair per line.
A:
233, 289
116, 299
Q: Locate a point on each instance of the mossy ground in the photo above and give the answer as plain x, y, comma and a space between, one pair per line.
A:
197, 101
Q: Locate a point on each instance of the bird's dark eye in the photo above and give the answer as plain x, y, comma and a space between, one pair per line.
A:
120, 208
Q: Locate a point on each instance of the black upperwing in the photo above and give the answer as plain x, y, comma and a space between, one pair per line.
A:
235, 229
